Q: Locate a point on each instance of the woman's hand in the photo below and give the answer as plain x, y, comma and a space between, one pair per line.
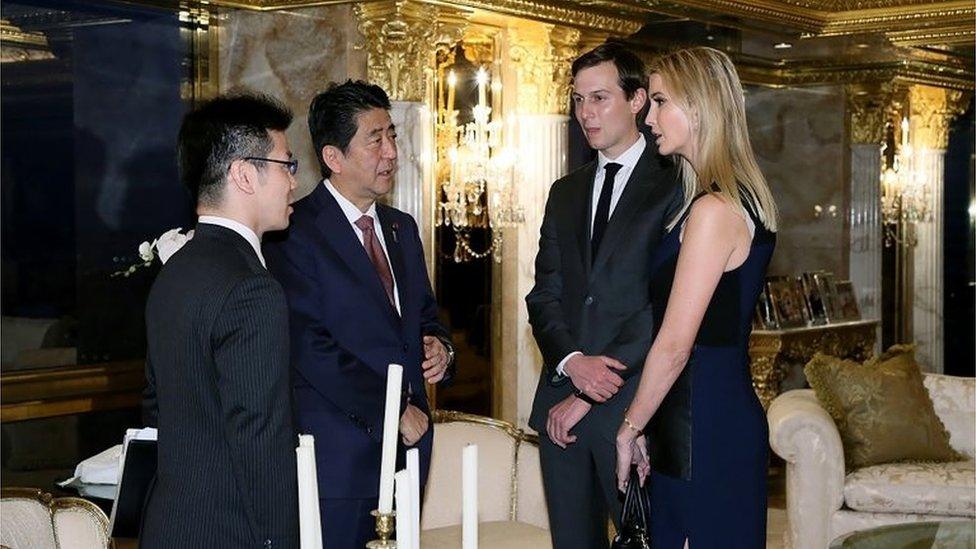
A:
631, 450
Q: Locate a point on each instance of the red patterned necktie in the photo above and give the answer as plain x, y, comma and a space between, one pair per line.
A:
375, 252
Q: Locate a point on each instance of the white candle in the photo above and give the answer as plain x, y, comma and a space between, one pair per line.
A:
469, 497
404, 512
391, 432
413, 467
309, 519
482, 79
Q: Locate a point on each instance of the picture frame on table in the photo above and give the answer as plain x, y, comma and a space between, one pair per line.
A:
788, 303
824, 281
814, 298
846, 301
764, 317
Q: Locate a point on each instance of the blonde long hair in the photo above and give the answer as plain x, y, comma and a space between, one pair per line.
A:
703, 81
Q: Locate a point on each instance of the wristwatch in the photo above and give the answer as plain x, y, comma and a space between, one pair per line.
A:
585, 398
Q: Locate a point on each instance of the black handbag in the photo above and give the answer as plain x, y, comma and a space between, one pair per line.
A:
635, 516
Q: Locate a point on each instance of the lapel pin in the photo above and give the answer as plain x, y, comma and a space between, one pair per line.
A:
396, 227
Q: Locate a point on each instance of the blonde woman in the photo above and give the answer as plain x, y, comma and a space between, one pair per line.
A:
707, 430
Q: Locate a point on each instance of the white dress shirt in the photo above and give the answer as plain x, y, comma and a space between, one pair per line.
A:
353, 214
627, 160
239, 228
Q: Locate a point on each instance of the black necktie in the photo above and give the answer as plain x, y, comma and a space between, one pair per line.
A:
603, 209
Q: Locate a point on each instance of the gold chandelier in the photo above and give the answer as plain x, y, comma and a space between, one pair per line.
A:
904, 195
476, 171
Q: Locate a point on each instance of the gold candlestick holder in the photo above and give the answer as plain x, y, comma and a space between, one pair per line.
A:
384, 529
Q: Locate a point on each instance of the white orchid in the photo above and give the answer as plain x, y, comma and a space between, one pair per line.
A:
163, 247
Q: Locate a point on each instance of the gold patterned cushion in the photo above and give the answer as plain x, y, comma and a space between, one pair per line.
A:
882, 410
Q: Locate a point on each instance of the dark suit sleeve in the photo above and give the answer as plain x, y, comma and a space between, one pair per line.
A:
430, 324
335, 373
250, 349
545, 312
150, 408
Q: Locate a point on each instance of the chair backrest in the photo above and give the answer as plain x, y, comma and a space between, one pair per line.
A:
32, 519
954, 400
506, 477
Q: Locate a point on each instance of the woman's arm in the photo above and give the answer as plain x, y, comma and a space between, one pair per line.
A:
716, 239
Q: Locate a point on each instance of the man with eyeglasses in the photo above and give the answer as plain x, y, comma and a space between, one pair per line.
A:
359, 296
217, 376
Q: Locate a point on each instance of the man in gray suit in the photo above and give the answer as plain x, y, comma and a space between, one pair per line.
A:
590, 306
217, 360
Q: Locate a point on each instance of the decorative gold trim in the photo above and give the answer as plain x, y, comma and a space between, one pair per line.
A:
401, 38
932, 110
813, 73
866, 105
520, 436
54, 505
11, 34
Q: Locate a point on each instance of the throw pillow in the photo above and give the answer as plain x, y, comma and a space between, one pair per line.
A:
882, 410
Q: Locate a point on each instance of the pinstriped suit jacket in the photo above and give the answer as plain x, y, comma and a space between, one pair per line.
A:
218, 390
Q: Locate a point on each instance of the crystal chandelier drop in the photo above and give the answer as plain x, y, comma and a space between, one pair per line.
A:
904, 195
477, 172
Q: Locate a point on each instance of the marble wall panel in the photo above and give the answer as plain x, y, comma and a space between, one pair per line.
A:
292, 55
798, 137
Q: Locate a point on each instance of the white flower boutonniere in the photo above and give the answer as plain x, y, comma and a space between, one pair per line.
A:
163, 247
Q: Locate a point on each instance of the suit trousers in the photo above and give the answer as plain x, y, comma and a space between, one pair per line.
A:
346, 523
581, 489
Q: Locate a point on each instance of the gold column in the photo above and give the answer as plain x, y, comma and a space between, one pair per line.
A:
932, 110
865, 109
401, 38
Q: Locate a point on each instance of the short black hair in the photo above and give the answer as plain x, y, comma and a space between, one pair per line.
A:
630, 68
220, 131
332, 114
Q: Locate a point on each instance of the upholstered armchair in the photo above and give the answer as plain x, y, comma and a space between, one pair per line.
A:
825, 501
32, 519
511, 505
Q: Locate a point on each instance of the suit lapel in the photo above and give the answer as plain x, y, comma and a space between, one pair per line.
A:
638, 187
582, 213
342, 238
391, 235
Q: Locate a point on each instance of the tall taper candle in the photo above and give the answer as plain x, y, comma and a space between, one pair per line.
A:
404, 512
391, 432
469, 497
413, 467
309, 519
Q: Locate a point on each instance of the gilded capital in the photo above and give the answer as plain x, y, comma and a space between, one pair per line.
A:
866, 105
401, 38
932, 110
543, 57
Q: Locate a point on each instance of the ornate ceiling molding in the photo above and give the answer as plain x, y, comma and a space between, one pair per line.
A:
812, 73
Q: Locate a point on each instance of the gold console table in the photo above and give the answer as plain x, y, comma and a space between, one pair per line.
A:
772, 351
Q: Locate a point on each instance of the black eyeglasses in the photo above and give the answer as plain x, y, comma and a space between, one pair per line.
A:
292, 164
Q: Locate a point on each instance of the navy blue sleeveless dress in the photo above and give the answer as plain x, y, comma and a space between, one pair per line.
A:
709, 438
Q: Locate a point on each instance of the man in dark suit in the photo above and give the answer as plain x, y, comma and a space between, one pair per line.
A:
590, 306
359, 299
217, 359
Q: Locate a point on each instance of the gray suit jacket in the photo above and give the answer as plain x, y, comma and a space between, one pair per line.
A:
601, 305
218, 391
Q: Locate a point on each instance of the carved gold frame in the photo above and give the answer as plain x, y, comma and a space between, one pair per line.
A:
54, 504
519, 436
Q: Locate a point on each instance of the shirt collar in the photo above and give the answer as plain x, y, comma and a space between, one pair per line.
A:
348, 208
239, 228
629, 158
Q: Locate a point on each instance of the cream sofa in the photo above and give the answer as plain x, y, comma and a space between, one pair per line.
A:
824, 501
32, 519
511, 505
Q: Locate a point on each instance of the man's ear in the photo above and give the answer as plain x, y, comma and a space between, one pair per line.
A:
332, 156
242, 175
638, 101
